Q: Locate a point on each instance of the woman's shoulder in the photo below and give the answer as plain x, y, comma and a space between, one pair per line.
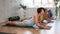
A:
36, 15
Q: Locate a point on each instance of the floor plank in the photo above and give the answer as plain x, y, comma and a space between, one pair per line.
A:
16, 30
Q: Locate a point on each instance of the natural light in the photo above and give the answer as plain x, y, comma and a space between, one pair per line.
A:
38, 3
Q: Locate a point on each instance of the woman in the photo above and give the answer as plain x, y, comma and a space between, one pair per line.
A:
40, 17
49, 13
37, 21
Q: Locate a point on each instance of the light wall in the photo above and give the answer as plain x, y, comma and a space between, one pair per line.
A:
8, 8
11, 8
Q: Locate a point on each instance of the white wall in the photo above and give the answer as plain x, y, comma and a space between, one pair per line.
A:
30, 12
2, 11
8, 8
11, 8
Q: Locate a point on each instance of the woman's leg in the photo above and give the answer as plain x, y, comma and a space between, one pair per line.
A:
29, 22
18, 23
11, 22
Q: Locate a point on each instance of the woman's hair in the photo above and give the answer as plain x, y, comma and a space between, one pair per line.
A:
39, 10
49, 10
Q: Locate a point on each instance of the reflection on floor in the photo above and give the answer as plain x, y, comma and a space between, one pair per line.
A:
57, 30
51, 31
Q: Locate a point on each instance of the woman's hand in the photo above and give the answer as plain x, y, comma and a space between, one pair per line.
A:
46, 27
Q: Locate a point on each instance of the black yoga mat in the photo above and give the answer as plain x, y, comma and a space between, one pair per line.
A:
10, 25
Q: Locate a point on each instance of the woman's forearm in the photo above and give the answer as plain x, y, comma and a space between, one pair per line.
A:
41, 25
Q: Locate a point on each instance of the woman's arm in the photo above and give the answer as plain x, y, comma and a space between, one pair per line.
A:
38, 24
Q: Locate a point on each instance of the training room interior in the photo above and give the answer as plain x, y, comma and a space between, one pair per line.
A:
26, 9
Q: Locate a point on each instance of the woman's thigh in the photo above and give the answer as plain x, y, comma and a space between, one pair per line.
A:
29, 22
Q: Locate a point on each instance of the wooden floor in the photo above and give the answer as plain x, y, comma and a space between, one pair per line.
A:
17, 30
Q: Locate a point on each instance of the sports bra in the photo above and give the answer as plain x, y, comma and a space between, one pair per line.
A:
41, 18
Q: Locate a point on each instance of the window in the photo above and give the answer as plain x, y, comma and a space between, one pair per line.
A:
38, 3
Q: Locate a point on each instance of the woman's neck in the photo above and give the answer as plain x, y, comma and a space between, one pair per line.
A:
39, 14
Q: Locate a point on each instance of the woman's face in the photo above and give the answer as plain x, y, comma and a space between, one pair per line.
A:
42, 11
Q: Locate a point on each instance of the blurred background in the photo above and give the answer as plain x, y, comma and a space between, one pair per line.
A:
27, 8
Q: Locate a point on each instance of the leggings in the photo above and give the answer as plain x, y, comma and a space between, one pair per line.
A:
30, 22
